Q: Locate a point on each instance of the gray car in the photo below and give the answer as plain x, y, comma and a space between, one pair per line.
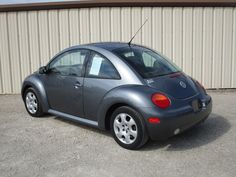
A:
131, 90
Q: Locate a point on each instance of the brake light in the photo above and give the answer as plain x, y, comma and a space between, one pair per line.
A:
160, 100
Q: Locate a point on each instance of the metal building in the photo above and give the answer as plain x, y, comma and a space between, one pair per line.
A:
199, 36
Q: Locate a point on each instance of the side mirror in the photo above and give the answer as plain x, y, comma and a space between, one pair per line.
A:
43, 70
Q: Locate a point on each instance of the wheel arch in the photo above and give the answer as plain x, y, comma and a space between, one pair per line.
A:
34, 82
109, 112
24, 88
136, 97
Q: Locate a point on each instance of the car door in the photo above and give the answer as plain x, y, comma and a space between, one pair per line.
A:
101, 76
64, 82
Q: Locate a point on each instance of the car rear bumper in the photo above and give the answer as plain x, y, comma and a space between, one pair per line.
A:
172, 125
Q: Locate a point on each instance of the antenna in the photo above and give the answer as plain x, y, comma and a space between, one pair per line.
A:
137, 32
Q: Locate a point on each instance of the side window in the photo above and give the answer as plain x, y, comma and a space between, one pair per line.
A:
100, 67
70, 63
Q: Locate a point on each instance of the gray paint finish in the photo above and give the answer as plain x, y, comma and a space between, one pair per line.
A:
88, 100
91, 101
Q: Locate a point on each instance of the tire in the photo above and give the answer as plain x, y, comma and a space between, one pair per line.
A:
128, 128
32, 103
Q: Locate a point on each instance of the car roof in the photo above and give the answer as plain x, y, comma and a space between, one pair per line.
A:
110, 46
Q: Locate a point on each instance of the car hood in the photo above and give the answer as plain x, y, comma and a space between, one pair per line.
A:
178, 85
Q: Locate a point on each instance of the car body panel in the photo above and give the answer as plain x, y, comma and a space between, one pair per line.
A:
95, 88
176, 116
74, 118
94, 92
34, 80
178, 122
63, 91
91, 101
171, 85
135, 96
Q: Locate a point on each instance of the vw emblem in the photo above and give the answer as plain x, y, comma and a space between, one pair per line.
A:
182, 84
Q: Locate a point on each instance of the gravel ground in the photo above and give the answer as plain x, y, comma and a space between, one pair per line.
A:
51, 147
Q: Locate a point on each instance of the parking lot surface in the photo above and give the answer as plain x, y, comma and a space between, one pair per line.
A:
53, 147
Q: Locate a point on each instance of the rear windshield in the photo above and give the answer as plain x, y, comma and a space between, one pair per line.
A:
146, 62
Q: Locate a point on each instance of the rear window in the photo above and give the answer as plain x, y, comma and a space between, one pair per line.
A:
146, 62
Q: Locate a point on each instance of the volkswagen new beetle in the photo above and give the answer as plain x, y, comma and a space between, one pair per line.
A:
131, 90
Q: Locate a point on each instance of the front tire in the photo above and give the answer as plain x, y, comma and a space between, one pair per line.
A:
32, 104
128, 128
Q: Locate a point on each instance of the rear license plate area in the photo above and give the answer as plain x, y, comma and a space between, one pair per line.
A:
195, 105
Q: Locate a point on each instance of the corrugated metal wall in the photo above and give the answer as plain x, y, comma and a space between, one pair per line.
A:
200, 40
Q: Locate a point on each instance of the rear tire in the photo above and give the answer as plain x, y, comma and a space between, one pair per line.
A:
128, 128
32, 104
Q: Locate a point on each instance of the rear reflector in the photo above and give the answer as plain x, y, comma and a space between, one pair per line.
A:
154, 120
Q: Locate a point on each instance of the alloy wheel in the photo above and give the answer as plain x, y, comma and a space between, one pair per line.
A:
125, 128
31, 102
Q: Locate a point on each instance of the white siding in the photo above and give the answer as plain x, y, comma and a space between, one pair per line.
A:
147, 28
202, 41
6, 75
188, 40
207, 47
85, 26
233, 68
95, 24
64, 35
217, 48
167, 31
53, 32
178, 36
157, 37
43, 37
14, 51
136, 20
116, 24
105, 24
227, 47
74, 27
126, 24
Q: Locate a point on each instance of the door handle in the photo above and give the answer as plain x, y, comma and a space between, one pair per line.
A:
77, 85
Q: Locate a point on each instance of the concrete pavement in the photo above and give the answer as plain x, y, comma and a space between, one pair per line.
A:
52, 147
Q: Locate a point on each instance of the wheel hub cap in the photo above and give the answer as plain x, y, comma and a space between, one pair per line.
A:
125, 128
31, 102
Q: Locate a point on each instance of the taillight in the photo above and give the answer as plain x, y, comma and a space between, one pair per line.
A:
160, 100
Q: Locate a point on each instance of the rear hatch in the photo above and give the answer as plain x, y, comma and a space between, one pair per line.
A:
177, 85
